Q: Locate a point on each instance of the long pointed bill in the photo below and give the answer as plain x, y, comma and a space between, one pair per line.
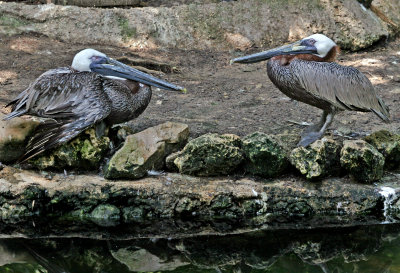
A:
291, 49
118, 69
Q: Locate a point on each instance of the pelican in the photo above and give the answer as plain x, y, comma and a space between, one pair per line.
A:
95, 90
305, 71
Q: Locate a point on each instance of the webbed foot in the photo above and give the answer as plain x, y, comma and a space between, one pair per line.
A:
309, 138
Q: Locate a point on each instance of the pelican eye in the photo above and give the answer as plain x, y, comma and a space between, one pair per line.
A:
97, 59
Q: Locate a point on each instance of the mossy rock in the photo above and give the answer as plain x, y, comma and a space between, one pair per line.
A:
362, 161
210, 155
105, 215
266, 156
318, 160
85, 152
388, 144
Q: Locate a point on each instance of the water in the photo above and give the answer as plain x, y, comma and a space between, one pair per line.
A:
354, 249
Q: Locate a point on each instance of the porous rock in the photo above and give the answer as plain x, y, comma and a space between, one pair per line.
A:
362, 161
319, 159
105, 215
146, 151
388, 144
85, 152
266, 156
14, 135
210, 155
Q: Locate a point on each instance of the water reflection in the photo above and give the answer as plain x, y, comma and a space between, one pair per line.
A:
356, 249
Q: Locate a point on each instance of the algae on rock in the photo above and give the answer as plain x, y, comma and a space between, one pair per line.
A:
319, 159
85, 152
362, 161
388, 144
266, 155
210, 155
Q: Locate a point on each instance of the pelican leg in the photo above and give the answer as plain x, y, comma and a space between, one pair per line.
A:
316, 131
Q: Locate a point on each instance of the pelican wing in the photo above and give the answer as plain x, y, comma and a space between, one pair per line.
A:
344, 87
72, 100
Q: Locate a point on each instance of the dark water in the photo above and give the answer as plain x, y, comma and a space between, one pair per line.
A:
356, 249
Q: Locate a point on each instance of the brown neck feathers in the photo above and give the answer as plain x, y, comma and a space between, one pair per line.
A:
330, 57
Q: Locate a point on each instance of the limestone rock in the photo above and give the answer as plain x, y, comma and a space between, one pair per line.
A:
146, 151
266, 156
14, 135
388, 144
210, 155
169, 162
319, 159
85, 152
362, 161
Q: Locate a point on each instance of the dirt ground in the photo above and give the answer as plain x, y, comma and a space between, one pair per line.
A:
221, 98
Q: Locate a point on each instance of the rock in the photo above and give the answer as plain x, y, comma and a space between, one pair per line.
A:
169, 162
388, 144
204, 26
14, 135
210, 155
105, 215
146, 151
238, 41
319, 159
84, 152
362, 161
266, 157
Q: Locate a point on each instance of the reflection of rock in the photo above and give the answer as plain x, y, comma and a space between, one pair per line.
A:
388, 144
141, 260
266, 156
146, 151
13, 137
362, 160
210, 155
84, 152
317, 160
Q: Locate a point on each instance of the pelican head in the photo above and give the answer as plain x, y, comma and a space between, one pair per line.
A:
94, 61
316, 44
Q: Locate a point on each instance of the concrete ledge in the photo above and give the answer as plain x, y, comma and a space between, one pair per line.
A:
154, 205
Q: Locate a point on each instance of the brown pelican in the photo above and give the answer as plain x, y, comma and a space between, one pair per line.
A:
94, 90
305, 71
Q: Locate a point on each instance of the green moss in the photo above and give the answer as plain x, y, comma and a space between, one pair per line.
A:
10, 21
127, 31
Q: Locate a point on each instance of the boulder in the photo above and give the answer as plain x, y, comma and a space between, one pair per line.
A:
210, 155
146, 151
388, 144
362, 161
14, 135
319, 159
265, 155
84, 152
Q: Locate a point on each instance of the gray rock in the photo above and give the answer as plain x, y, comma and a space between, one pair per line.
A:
266, 156
388, 144
362, 161
319, 159
210, 155
14, 135
146, 151
205, 26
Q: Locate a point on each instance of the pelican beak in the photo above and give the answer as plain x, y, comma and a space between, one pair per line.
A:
299, 47
111, 67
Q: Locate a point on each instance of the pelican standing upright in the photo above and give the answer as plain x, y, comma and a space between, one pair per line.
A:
305, 71
95, 89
